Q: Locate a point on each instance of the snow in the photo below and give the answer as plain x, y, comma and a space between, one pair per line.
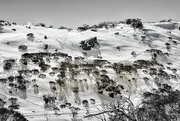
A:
68, 42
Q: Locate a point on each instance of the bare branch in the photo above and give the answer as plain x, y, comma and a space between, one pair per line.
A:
91, 115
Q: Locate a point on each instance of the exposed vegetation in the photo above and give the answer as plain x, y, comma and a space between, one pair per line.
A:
69, 77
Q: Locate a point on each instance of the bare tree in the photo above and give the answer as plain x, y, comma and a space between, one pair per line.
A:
160, 104
121, 110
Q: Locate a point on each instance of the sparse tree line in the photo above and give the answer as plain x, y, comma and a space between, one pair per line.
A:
134, 22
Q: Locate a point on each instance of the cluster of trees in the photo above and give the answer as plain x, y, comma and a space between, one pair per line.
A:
135, 23
17, 86
49, 101
165, 20
41, 24
51, 26
88, 44
23, 48
8, 64
161, 104
106, 24
9, 114
5, 23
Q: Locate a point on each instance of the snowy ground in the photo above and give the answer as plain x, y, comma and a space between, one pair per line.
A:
68, 42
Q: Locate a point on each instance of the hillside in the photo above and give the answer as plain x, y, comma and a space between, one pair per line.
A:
127, 58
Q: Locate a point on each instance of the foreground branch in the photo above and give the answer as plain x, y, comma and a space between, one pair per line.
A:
91, 115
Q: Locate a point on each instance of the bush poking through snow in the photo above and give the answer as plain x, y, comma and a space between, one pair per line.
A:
62, 27
135, 23
23, 48
88, 44
51, 26
69, 29
116, 33
94, 30
45, 37
30, 37
42, 76
80, 29
14, 23
8, 64
1, 27
41, 25
92, 101
46, 47
14, 29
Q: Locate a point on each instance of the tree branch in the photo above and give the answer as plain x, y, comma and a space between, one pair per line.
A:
123, 113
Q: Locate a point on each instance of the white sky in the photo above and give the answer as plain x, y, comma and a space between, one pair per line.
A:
74, 13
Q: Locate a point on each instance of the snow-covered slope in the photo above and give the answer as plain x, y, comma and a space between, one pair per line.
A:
114, 48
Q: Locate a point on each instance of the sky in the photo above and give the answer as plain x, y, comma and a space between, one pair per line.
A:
74, 13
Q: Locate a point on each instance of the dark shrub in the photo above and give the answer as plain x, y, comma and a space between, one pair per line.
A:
16, 116
81, 29
135, 23
62, 27
14, 29
23, 48
51, 26
45, 37
41, 25
94, 30
14, 23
